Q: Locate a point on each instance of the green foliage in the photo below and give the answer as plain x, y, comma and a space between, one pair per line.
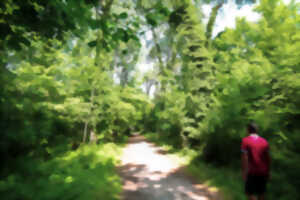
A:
67, 76
54, 93
85, 173
19, 19
168, 117
249, 73
248, 81
29, 112
177, 111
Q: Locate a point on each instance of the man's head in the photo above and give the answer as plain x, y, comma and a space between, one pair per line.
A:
252, 128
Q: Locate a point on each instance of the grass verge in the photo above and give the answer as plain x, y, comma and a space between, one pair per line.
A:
226, 180
87, 173
284, 173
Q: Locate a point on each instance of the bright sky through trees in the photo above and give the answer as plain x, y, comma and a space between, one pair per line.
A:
71, 89
225, 19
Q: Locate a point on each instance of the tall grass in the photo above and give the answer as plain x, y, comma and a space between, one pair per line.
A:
87, 173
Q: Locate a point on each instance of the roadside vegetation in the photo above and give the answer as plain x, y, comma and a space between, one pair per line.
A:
71, 92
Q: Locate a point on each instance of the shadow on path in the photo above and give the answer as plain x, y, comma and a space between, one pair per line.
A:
148, 175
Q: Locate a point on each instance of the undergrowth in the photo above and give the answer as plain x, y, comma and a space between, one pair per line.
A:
228, 180
87, 173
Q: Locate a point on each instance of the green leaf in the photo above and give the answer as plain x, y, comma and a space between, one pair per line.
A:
125, 37
135, 38
123, 15
92, 43
151, 19
136, 24
164, 11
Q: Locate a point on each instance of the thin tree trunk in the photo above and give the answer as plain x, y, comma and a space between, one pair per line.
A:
85, 131
92, 109
158, 49
148, 85
89, 114
211, 22
160, 60
124, 73
171, 62
93, 138
105, 10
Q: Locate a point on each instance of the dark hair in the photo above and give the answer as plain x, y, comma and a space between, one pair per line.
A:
252, 128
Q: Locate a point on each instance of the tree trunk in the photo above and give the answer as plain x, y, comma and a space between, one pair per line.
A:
105, 14
211, 22
89, 115
85, 131
93, 137
160, 60
149, 85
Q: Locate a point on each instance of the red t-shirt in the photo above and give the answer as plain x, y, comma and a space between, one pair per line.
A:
258, 156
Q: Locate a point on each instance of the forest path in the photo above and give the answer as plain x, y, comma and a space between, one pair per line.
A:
148, 174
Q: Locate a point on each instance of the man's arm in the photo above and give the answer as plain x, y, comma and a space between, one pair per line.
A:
244, 165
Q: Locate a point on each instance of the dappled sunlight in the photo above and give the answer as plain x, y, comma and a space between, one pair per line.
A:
148, 157
148, 174
78, 79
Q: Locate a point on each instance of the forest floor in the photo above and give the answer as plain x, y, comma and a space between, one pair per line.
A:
149, 173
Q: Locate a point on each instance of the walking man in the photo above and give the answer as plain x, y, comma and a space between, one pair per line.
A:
256, 163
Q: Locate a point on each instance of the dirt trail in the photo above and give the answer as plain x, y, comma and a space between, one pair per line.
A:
149, 175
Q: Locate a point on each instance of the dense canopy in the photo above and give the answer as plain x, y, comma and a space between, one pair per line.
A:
71, 91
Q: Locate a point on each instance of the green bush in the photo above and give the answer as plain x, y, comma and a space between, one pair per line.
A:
87, 173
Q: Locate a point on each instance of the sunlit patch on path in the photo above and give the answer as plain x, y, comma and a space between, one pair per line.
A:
150, 175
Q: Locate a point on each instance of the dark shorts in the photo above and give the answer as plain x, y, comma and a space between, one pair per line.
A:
255, 185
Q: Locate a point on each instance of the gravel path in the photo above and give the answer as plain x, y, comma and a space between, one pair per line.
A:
149, 175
